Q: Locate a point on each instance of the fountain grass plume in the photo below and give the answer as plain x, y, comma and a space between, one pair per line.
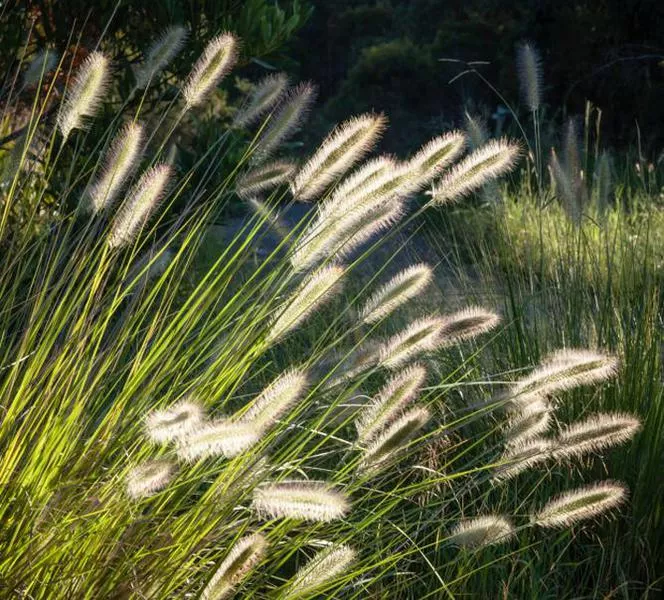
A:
265, 95
218, 58
421, 336
149, 478
404, 286
345, 145
326, 566
530, 422
84, 96
596, 433
387, 445
217, 438
160, 54
565, 188
580, 504
120, 163
310, 295
385, 407
286, 118
529, 70
241, 560
482, 531
264, 178
518, 458
467, 324
475, 130
276, 399
174, 422
492, 160
140, 203
564, 370
432, 159
315, 501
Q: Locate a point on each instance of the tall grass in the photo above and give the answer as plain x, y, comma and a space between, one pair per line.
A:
176, 431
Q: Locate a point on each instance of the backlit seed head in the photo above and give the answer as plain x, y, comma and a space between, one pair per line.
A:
267, 93
149, 478
326, 566
85, 93
159, 55
529, 69
466, 324
218, 58
521, 457
531, 422
314, 501
402, 287
580, 504
264, 178
421, 336
482, 531
174, 422
217, 438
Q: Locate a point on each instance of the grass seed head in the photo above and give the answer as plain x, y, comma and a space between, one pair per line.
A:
85, 94
466, 324
174, 422
218, 58
267, 93
523, 456
315, 501
217, 438
326, 566
149, 478
421, 336
580, 504
159, 55
529, 70
482, 531
264, 178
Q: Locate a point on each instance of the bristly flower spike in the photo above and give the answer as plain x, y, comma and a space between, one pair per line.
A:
315, 501
523, 456
120, 162
596, 433
267, 93
347, 144
400, 390
276, 399
326, 566
218, 58
529, 68
492, 160
467, 324
174, 422
422, 335
85, 94
284, 121
380, 452
482, 531
314, 291
149, 478
400, 289
264, 178
580, 504
141, 202
241, 560
217, 438
160, 54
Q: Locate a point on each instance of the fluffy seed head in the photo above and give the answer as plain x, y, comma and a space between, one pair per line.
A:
565, 188
521, 457
160, 53
347, 144
141, 202
265, 177
400, 390
466, 324
595, 433
267, 93
217, 438
529, 69
218, 58
402, 287
314, 291
285, 120
564, 370
419, 337
84, 94
148, 478
276, 399
482, 531
241, 560
388, 444
323, 568
119, 164
531, 422
174, 422
430, 161
314, 501
476, 130
580, 504
492, 160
